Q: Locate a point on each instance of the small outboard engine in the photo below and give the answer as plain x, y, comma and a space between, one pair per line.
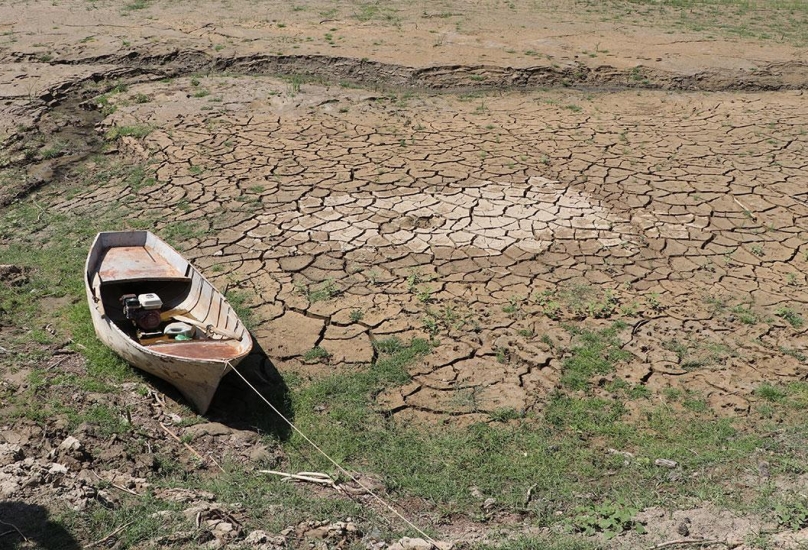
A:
143, 310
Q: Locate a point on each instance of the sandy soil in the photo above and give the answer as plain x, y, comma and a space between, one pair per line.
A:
592, 164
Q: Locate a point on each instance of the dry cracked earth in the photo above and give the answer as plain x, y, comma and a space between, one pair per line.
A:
348, 217
426, 177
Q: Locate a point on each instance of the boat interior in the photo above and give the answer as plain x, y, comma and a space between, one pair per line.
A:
186, 297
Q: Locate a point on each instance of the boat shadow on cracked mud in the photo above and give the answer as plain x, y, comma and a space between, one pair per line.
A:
236, 405
24, 525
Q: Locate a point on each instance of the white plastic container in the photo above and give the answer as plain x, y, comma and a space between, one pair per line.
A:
179, 329
150, 301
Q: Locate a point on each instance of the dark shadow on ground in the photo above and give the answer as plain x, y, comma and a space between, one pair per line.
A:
18, 520
237, 405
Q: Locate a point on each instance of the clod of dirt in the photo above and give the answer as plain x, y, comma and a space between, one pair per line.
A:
12, 275
408, 543
10, 454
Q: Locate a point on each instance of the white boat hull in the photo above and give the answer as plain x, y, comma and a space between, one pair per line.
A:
195, 368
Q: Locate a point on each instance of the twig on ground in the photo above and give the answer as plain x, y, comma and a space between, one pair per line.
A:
57, 363
745, 209
689, 542
108, 537
120, 488
14, 530
193, 451
312, 477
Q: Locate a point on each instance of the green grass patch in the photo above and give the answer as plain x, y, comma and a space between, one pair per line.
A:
238, 300
595, 352
319, 293
102, 362
791, 316
135, 131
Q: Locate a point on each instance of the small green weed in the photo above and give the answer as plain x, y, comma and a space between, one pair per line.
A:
54, 150
654, 303
238, 301
609, 518
745, 314
136, 5
578, 301
179, 232
792, 512
124, 131
792, 317
513, 306
316, 354
768, 392
505, 414
327, 290
795, 353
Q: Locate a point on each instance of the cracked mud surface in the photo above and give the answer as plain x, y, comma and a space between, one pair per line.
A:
482, 219
485, 219
349, 217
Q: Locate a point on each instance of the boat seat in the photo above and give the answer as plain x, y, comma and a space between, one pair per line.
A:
200, 349
134, 263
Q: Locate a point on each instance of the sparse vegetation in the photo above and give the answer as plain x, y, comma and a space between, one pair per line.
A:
791, 316
595, 353
319, 293
316, 354
117, 132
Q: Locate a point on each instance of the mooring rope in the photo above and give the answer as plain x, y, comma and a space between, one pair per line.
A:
379, 499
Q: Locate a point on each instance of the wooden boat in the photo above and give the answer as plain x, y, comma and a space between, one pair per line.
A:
124, 272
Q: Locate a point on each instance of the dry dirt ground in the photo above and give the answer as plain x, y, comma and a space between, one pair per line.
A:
475, 171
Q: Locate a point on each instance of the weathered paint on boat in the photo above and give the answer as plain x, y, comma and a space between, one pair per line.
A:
124, 260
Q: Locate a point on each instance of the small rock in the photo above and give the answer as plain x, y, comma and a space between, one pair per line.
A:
85, 477
85, 428
224, 527
193, 511
408, 543
70, 444
763, 470
9, 454
684, 527
489, 504
209, 428
665, 463
8, 488
625, 454
256, 537
259, 454
12, 275
57, 469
